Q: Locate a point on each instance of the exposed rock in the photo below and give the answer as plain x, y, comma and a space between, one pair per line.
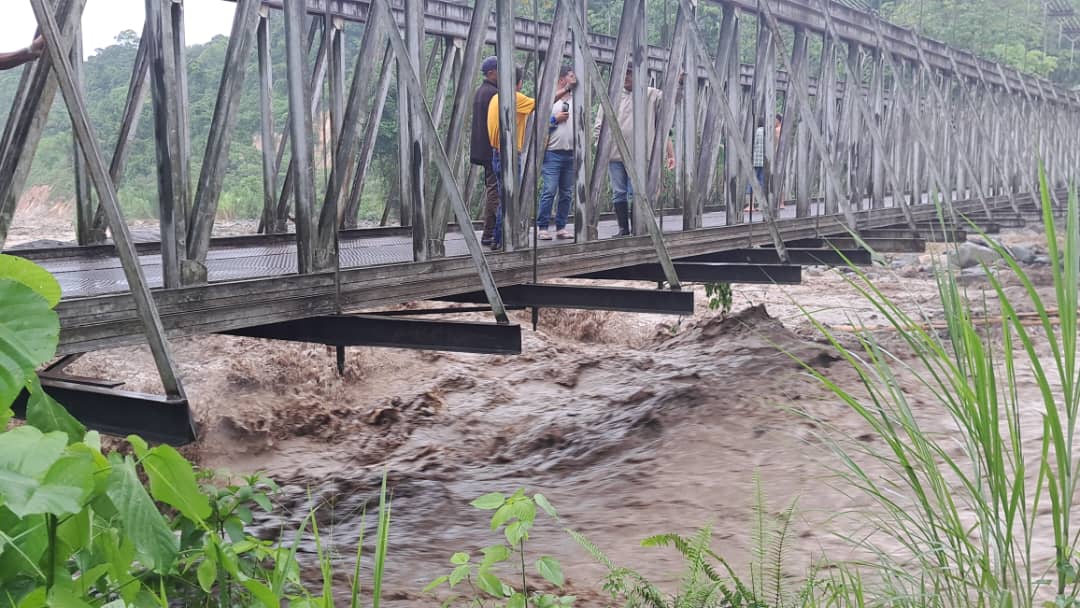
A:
1022, 254
971, 254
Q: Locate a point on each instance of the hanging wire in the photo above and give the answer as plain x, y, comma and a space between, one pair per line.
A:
329, 148
538, 146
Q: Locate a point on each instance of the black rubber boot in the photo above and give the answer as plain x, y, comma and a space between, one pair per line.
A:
622, 213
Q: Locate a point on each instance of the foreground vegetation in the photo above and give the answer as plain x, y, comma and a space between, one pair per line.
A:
958, 517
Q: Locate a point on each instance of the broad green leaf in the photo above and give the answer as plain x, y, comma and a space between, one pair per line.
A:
75, 531
489, 583
516, 532
545, 505
172, 480
43, 412
26, 455
435, 583
24, 542
29, 332
525, 510
65, 487
263, 502
33, 276
262, 593
5, 415
115, 604
229, 561
92, 439
516, 601
207, 574
459, 558
550, 569
118, 551
488, 502
86, 581
502, 515
235, 529
38, 598
459, 574
30, 452
155, 544
495, 554
65, 598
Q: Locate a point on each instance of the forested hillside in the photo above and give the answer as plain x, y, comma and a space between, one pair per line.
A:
1015, 32
108, 72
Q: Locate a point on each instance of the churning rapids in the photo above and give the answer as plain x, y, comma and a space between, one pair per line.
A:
633, 430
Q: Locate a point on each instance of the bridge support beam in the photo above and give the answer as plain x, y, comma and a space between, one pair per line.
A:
696, 272
928, 233
619, 299
116, 412
803, 257
891, 245
393, 332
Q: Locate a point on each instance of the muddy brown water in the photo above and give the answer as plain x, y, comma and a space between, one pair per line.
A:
636, 433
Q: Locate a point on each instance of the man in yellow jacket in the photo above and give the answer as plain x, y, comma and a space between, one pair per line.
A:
525, 106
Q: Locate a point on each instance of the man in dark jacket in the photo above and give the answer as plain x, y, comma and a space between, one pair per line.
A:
17, 58
481, 146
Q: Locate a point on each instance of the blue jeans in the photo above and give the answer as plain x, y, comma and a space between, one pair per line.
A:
496, 163
759, 172
558, 179
622, 190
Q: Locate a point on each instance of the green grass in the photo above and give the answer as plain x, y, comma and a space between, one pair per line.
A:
955, 518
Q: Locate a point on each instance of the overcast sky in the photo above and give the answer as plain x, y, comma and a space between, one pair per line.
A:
104, 19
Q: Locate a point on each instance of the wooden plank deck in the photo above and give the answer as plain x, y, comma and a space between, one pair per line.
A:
257, 284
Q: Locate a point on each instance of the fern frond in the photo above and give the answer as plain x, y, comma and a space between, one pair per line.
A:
592, 550
760, 539
779, 545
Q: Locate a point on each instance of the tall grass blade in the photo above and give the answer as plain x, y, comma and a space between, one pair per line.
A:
381, 545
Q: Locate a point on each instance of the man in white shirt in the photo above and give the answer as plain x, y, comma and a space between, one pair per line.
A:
558, 170
621, 187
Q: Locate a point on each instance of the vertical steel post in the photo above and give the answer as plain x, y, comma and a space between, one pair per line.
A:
301, 130
508, 152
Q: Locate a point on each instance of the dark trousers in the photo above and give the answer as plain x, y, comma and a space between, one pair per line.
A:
496, 162
491, 201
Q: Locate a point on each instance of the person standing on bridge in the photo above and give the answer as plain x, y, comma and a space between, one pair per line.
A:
15, 59
758, 158
559, 159
621, 188
524, 106
481, 145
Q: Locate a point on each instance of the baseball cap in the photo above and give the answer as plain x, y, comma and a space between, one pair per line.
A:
491, 63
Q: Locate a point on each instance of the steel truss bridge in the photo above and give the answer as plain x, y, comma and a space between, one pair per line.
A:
889, 136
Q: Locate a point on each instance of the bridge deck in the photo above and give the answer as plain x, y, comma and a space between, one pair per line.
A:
98, 272
257, 283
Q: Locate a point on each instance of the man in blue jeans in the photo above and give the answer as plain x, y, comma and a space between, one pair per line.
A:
558, 168
621, 188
